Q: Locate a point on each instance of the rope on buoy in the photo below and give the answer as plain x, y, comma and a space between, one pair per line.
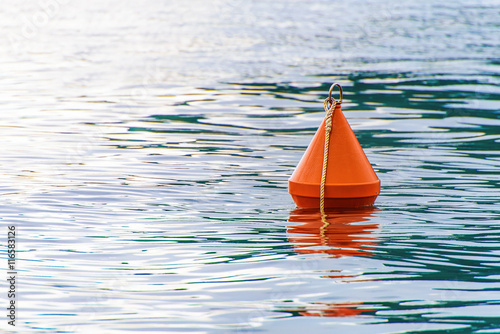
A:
329, 105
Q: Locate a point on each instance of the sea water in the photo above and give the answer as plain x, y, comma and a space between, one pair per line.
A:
146, 148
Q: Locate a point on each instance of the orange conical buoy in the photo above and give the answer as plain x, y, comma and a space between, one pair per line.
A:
350, 179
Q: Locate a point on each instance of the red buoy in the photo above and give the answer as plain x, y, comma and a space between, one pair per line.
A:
350, 180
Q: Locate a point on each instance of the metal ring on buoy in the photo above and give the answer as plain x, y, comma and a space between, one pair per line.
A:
330, 99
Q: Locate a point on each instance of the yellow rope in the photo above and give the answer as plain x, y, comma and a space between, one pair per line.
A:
328, 128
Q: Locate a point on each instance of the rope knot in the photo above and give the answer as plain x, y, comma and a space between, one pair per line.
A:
328, 124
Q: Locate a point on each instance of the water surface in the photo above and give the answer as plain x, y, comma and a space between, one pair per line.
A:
146, 152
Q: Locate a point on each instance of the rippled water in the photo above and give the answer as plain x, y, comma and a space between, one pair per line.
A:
146, 150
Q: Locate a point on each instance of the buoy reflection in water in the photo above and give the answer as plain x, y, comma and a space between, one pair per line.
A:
340, 233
